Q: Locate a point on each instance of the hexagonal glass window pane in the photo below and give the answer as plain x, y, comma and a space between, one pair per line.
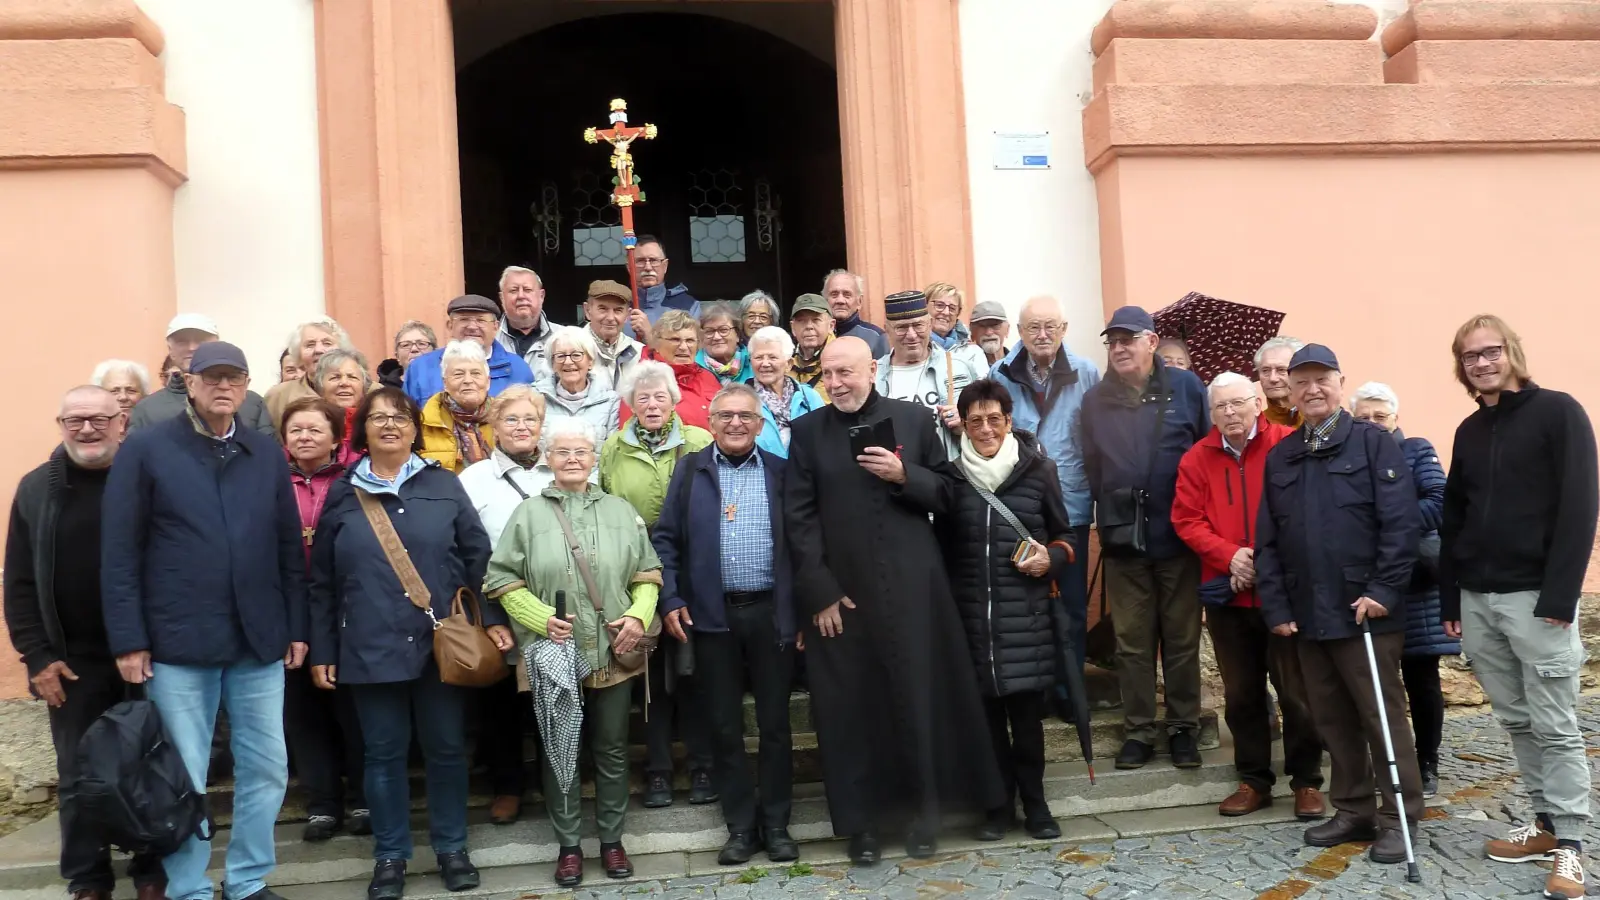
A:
717, 239
598, 246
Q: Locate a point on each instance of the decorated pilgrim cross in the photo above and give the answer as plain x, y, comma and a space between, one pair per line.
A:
620, 136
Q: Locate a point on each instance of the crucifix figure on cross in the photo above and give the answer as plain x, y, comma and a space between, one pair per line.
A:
620, 136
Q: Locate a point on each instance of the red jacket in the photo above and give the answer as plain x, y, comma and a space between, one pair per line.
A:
696, 385
1214, 510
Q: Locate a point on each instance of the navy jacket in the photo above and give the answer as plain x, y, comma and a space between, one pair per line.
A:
1424, 628
361, 619
1336, 524
688, 538
201, 560
1118, 434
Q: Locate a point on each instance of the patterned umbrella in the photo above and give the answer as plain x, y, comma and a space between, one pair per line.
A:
1222, 336
555, 676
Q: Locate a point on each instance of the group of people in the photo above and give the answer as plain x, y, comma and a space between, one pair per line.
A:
708, 498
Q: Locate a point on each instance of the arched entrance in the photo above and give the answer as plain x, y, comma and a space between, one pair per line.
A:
392, 210
744, 183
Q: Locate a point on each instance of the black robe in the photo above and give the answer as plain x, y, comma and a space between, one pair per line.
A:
894, 698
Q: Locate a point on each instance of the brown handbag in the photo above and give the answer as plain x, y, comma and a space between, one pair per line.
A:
623, 665
465, 654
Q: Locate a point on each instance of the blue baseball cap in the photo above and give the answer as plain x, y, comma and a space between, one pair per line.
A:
1313, 355
1131, 319
217, 353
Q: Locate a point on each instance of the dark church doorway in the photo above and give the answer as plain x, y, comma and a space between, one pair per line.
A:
744, 184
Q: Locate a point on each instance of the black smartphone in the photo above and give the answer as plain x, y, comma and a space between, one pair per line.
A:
878, 434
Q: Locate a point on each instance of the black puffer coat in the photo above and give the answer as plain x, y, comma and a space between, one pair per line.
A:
1006, 614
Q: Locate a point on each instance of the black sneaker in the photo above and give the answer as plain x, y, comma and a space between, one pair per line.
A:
360, 822
657, 791
1185, 755
700, 790
319, 829
388, 880
458, 872
1135, 754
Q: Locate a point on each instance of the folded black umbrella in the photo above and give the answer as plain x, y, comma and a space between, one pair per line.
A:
1070, 697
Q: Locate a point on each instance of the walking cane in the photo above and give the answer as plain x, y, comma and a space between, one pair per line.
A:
1412, 874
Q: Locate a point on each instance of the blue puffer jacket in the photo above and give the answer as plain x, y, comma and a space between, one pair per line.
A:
1424, 628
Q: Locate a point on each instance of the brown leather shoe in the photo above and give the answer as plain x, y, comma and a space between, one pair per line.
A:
505, 809
1244, 801
569, 869
1308, 803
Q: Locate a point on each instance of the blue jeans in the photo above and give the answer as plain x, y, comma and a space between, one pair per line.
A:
252, 693
386, 713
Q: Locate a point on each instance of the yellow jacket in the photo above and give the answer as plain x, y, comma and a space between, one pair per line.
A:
439, 435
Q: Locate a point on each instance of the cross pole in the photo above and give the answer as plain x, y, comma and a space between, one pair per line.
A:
620, 136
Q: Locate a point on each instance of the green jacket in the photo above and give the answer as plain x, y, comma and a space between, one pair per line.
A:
629, 471
533, 555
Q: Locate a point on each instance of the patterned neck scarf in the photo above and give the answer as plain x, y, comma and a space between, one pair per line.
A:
524, 460
652, 440
777, 401
470, 442
723, 371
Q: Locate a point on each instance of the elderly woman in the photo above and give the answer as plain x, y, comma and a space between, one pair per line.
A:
128, 381
1175, 353
1005, 604
720, 353
532, 563
412, 340
757, 310
369, 638
571, 390
677, 343
636, 464
306, 344
455, 421
783, 399
1426, 641
320, 726
341, 378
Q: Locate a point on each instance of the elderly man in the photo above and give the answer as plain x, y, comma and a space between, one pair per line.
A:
945, 302
845, 291
524, 328
1214, 512
307, 344
1047, 384
811, 325
917, 371
727, 578
650, 262
1335, 540
203, 592
470, 317
1272, 368
883, 636
1519, 523
1136, 425
414, 339
185, 333
990, 330
607, 310
52, 607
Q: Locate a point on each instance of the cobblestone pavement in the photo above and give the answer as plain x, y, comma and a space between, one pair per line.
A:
1260, 862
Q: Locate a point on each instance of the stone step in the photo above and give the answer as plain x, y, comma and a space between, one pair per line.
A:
28, 858
1061, 745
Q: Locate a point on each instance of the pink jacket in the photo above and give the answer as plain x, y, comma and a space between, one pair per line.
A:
311, 491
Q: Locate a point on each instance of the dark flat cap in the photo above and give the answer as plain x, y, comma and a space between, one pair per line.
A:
472, 303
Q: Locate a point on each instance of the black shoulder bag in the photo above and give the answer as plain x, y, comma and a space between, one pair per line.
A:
1122, 516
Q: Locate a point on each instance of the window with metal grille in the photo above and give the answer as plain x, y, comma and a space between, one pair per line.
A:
716, 220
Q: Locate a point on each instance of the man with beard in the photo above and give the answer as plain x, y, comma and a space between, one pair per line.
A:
52, 606
895, 699
811, 325
990, 328
524, 328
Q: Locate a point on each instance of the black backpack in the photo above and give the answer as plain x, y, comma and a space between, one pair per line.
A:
132, 784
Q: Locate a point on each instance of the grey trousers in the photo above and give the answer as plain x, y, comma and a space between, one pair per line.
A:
1155, 612
1529, 668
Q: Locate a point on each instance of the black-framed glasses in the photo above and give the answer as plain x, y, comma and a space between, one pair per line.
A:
231, 379
76, 423
1487, 354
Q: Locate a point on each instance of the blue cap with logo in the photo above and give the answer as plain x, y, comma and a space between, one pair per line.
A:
217, 353
1313, 355
1130, 318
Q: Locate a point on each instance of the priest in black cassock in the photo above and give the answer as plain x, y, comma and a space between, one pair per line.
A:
893, 695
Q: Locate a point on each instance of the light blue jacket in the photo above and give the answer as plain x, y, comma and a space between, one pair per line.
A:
804, 399
1056, 424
